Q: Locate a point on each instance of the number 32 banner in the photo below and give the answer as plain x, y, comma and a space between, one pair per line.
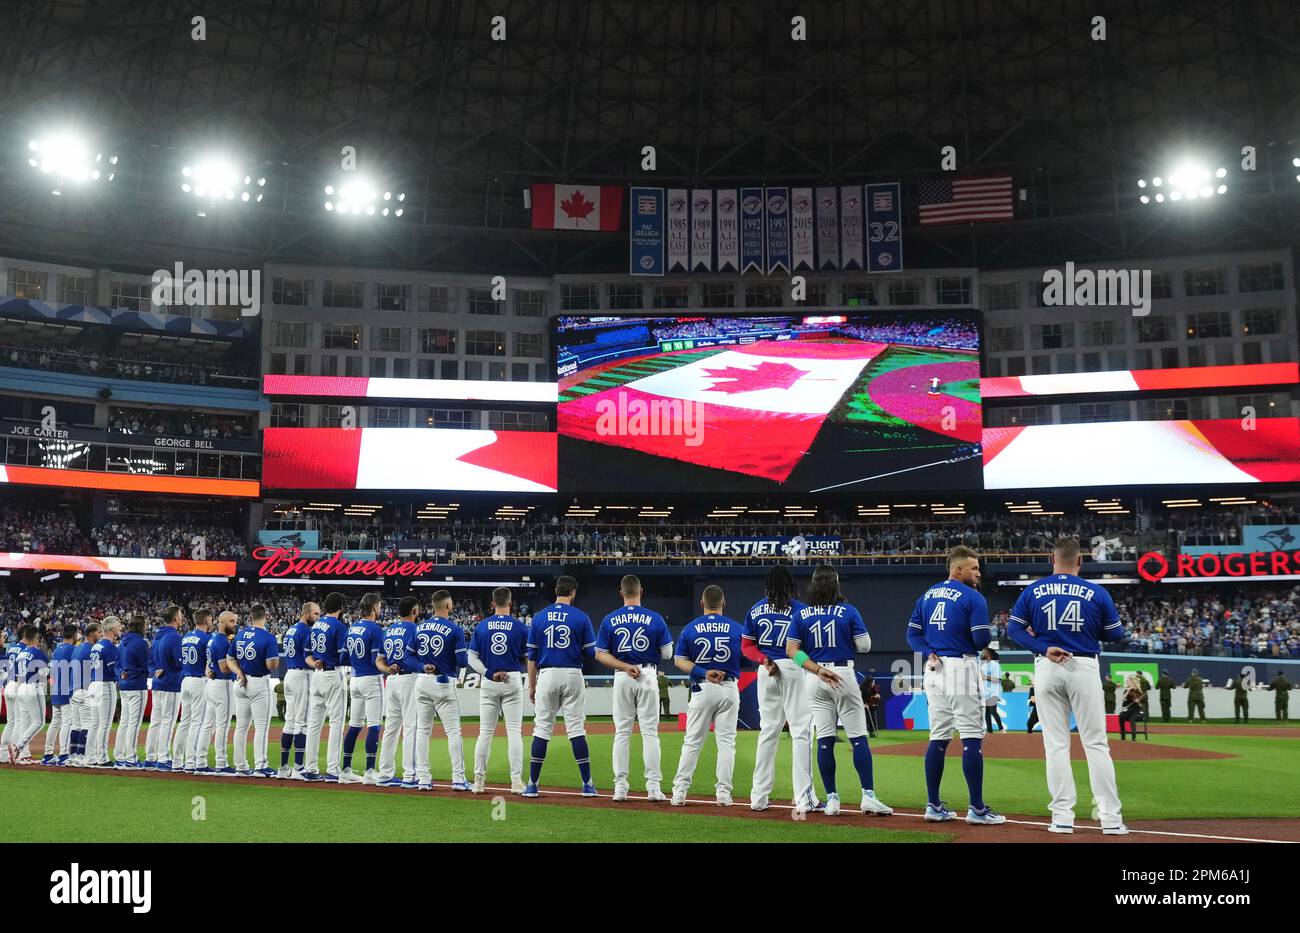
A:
884, 228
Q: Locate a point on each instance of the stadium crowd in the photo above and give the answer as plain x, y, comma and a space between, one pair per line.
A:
1247, 624
119, 367
148, 539
922, 332
180, 423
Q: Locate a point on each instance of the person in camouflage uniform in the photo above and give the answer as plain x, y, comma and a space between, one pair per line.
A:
1195, 696
663, 694
1109, 687
1281, 688
1240, 699
1145, 683
1164, 685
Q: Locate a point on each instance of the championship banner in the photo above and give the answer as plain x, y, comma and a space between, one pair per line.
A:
851, 227
828, 229
679, 232
702, 230
884, 228
796, 547
802, 234
777, 202
751, 230
728, 231
646, 237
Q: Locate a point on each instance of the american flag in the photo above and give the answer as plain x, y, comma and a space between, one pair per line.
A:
965, 200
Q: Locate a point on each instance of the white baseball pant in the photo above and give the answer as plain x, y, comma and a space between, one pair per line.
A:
716, 705
191, 700
215, 728
127, 746
103, 701
83, 718
1060, 689
433, 699
297, 695
840, 705
30, 700
400, 718
367, 696
783, 699
501, 701
954, 695
162, 720
11, 712
60, 729
253, 704
328, 701
636, 699
560, 691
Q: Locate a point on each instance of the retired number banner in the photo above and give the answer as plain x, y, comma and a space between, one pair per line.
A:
646, 250
884, 228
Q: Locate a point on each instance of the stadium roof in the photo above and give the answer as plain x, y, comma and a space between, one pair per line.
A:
463, 123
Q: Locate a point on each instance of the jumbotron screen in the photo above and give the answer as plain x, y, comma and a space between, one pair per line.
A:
768, 402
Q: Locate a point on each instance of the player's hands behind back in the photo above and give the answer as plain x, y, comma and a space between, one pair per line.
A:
715, 677
1059, 655
828, 677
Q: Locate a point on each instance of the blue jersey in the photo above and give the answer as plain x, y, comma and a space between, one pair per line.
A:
133, 667
501, 643
364, 642
218, 650
399, 647
166, 657
769, 627
64, 673
326, 642
950, 620
828, 634
295, 646
712, 642
440, 642
194, 653
634, 635
559, 636
32, 665
253, 648
1067, 612
103, 660
11, 654
81, 664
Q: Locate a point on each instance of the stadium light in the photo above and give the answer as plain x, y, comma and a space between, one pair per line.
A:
69, 160
360, 195
217, 179
1296, 162
1189, 181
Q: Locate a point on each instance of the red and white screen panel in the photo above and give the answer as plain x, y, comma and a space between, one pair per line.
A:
1141, 380
456, 390
149, 565
129, 482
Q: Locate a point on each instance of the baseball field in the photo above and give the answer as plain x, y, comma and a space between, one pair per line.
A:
1190, 784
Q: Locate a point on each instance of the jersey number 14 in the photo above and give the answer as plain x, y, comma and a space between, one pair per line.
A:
1072, 616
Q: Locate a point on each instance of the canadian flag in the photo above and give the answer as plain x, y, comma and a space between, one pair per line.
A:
577, 207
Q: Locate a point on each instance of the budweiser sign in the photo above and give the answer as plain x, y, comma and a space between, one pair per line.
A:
288, 562
1154, 566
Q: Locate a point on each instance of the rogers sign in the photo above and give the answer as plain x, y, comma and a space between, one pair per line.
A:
287, 562
1154, 566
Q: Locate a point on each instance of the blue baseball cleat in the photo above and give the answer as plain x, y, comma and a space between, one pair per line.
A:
985, 817
391, 782
226, 770
61, 761
531, 791
409, 785
460, 785
331, 778
150, 765
312, 777
939, 814
589, 790
163, 766
264, 773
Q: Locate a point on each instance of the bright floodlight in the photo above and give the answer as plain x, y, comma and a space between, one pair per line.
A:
216, 178
359, 195
1190, 181
67, 159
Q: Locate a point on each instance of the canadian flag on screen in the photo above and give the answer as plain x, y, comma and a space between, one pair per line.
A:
752, 410
577, 207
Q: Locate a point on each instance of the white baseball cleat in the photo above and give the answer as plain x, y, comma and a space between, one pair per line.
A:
985, 817
939, 814
1120, 830
1065, 828
620, 793
679, 798
285, 773
723, 799
655, 795
348, 776
371, 777
874, 805
480, 783
516, 785
832, 805
758, 804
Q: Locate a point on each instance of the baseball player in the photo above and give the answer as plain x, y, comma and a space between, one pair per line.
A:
82, 713
1063, 619
364, 646
498, 650
216, 699
252, 658
10, 689
949, 627
63, 681
440, 650
297, 693
400, 717
103, 690
32, 670
782, 691
709, 650
826, 634
132, 684
632, 641
324, 649
194, 661
166, 690
558, 638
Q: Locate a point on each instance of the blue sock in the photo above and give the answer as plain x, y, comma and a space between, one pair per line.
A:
372, 746
349, 744
78, 742
583, 757
972, 765
934, 769
286, 745
538, 757
299, 748
826, 763
862, 761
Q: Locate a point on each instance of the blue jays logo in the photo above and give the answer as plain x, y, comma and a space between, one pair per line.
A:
1279, 538
647, 262
853, 202
776, 204
827, 203
677, 205
752, 204
802, 205
885, 259
701, 205
727, 205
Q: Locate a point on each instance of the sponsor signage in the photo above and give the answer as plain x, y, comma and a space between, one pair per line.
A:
1155, 567
797, 547
159, 441
290, 562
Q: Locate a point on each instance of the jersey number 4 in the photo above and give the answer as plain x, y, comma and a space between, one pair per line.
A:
1072, 616
939, 617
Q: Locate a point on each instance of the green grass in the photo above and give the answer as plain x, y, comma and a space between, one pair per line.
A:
1259, 781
